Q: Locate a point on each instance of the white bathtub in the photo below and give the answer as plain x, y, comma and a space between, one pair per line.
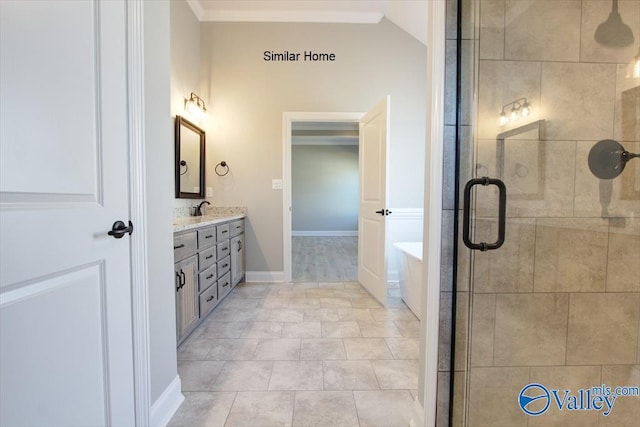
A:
410, 274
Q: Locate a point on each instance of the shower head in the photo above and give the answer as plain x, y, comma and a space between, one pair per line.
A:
608, 158
613, 32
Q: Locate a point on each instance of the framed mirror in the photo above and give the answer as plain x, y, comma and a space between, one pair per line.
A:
189, 160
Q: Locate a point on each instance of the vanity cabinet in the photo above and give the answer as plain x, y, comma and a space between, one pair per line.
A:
186, 283
237, 252
209, 262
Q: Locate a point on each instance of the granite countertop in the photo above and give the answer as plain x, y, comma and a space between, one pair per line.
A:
217, 215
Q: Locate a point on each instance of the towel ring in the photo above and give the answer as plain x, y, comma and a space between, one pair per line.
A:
224, 166
186, 167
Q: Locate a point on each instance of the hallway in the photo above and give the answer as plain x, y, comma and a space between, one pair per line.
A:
313, 354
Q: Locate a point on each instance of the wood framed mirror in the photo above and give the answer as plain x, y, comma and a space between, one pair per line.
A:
189, 160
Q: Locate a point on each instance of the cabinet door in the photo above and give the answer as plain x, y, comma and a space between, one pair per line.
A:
237, 259
186, 278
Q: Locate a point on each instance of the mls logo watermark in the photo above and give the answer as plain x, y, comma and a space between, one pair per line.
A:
536, 399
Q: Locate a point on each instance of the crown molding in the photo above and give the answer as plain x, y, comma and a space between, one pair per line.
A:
317, 16
197, 8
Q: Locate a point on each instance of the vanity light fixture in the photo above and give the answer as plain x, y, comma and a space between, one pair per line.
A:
195, 106
519, 108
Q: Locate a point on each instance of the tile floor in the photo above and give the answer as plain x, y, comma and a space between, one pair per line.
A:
324, 259
301, 354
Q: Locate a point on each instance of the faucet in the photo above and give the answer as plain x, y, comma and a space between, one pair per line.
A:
199, 208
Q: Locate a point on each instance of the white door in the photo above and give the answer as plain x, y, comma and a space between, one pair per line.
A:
372, 259
65, 300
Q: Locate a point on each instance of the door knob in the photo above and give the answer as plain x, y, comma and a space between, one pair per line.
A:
384, 212
119, 229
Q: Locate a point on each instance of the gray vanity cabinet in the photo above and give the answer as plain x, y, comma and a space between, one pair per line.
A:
237, 259
209, 262
186, 283
236, 230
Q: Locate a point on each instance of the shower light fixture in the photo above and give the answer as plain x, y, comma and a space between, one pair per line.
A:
519, 108
195, 106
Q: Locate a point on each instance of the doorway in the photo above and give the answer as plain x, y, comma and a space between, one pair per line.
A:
552, 310
321, 235
324, 188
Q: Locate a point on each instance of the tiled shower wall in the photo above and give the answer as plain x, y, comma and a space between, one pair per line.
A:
559, 303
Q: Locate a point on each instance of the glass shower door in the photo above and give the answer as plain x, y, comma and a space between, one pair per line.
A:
552, 315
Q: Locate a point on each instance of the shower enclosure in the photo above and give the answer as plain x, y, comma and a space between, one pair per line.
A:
547, 321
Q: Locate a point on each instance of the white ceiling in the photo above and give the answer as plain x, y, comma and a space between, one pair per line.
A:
410, 15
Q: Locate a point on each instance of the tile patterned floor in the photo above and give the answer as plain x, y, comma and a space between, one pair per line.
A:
324, 259
301, 354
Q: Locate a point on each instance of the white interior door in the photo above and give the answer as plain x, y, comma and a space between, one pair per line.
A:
372, 260
65, 300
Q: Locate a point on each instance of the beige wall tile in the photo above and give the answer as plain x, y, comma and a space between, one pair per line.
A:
483, 325
571, 255
446, 254
492, 29
566, 378
619, 197
627, 123
509, 268
462, 333
603, 328
491, 390
623, 266
594, 13
531, 329
443, 400
450, 83
444, 336
577, 100
542, 30
501, 82
542, 185
626, 410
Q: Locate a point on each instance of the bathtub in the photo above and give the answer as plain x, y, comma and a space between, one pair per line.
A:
410, 274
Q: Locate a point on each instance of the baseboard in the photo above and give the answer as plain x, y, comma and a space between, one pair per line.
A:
322, 233
264, 276
417, 420
167, 404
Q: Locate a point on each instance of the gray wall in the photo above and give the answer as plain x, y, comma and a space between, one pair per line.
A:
247, 97
159, 158
185, 71
324, 189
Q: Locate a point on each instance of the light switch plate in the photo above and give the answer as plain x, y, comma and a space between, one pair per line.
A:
209, 191
276, 184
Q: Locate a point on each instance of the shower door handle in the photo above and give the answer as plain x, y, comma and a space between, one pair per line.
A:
502, 210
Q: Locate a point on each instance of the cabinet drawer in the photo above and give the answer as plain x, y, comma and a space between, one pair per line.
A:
207, 237
208, 300
184, 245
207, 278
224, 285
223, 231
207, 258
236, 227
223, 249
224, 265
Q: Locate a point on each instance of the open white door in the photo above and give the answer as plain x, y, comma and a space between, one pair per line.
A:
66, 355
372, 259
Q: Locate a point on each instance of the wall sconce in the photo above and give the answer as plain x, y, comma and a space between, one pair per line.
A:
195, 106
519, 108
